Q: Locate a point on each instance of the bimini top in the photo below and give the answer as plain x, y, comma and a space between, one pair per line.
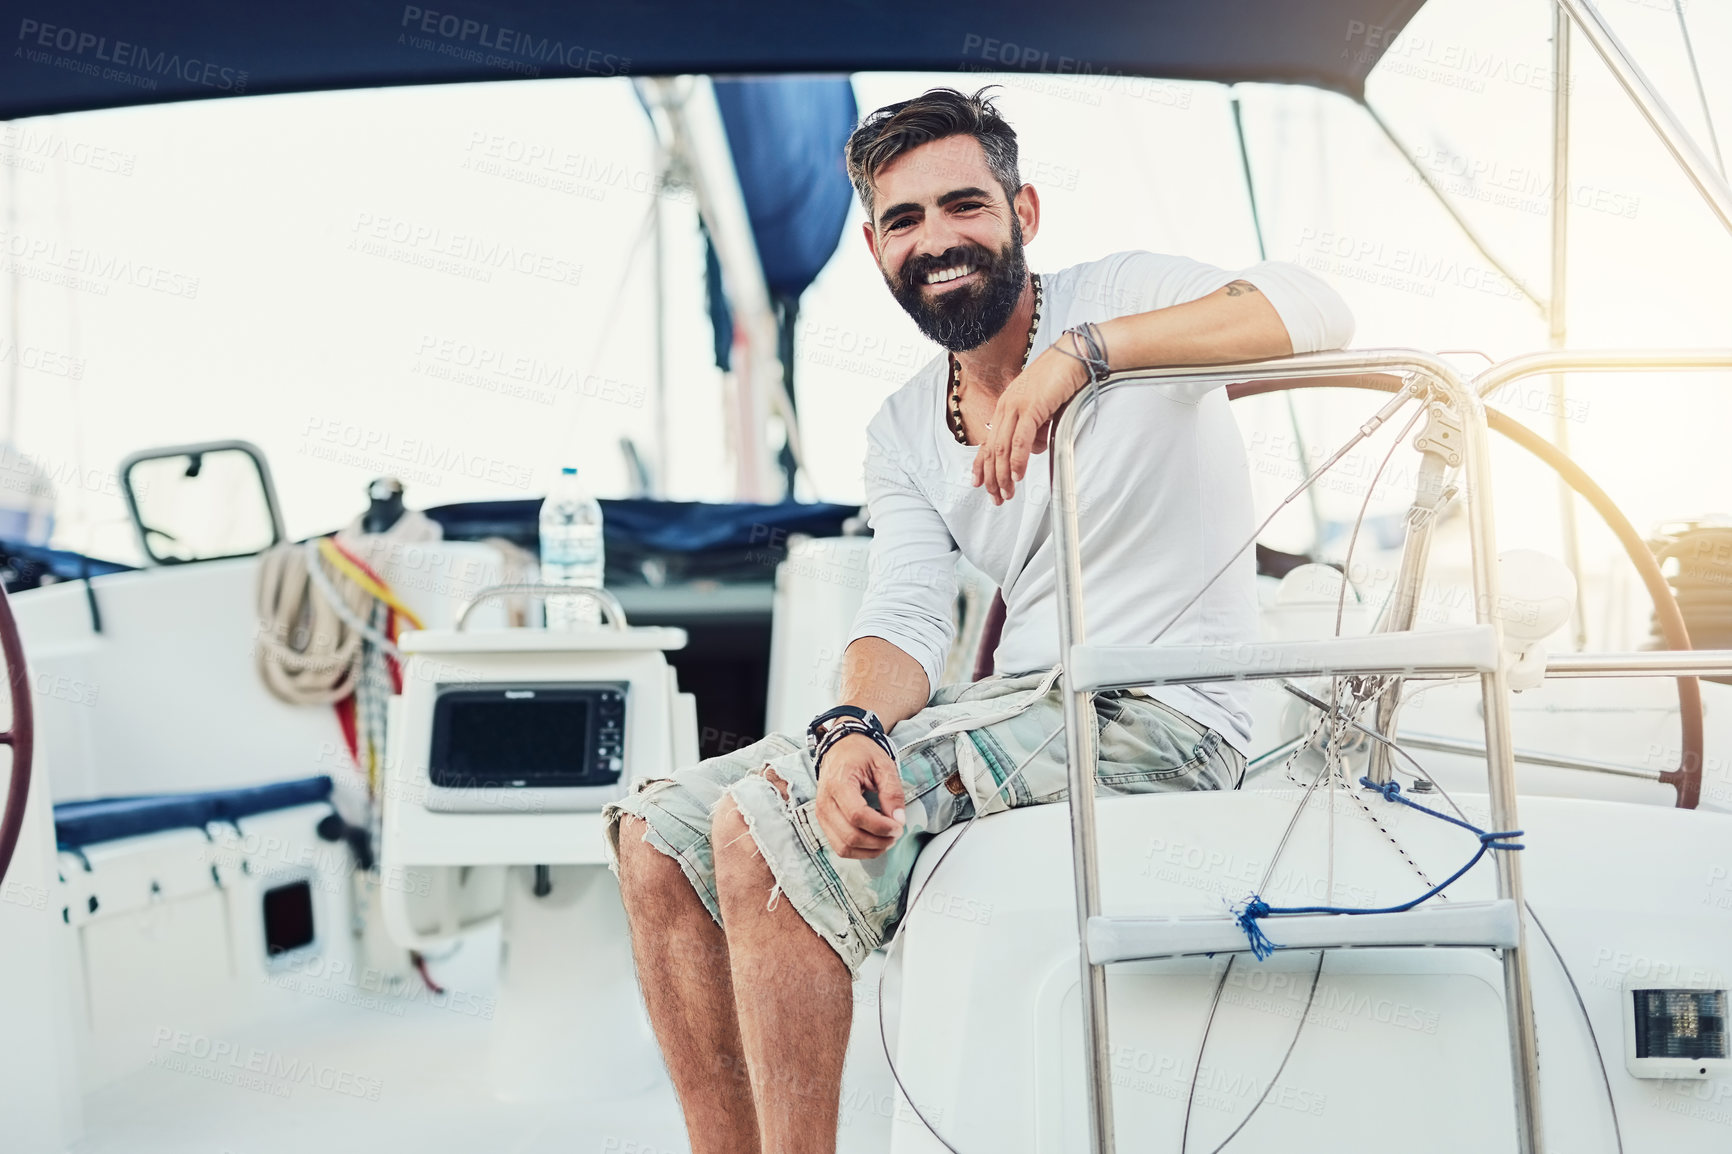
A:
84, 54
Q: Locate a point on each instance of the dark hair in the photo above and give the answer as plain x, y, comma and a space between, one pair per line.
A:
933, 115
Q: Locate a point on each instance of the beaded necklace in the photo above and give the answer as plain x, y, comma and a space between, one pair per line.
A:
955, 409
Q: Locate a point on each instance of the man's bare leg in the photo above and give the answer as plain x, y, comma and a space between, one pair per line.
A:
682, 965
794, 996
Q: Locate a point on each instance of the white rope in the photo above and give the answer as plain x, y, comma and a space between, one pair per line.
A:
311, 625
307, 654
350, 617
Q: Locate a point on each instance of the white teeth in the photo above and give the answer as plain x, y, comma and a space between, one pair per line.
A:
948, 274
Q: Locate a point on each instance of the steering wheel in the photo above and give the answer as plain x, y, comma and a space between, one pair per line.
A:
1687, 778
21, 737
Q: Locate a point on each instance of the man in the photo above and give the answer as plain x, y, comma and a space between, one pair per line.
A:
757, 882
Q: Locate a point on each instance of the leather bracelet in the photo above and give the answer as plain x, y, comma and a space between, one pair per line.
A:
847, 728
820, 725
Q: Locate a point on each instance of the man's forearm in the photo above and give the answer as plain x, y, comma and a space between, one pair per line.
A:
1234, 323
880, 676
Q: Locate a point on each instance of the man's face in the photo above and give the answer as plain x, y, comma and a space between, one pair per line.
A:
948, 242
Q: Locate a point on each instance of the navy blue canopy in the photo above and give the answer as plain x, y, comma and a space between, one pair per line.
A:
79, 54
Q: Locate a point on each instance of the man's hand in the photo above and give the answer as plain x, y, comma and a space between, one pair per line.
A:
1023, 420
852, 827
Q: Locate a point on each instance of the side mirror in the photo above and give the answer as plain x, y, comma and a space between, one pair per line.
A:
201, 502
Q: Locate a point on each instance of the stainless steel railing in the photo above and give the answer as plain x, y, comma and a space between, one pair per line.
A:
1429, 376
1424, 371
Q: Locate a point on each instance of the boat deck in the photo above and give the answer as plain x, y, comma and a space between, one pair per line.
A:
342, 1069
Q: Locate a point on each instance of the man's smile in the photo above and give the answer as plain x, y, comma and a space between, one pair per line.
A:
960, 296
945, 279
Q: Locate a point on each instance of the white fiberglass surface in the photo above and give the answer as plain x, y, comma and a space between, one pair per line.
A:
380, 1070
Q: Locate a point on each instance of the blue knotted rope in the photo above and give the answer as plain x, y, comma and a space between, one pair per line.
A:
1253, 909
1246, 914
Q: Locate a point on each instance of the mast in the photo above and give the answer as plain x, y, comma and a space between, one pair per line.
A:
700, 144
1556, 315
658, 283
12, 304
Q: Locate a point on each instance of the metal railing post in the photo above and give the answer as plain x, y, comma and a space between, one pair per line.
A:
1080, 754
1403, 603
1500, 770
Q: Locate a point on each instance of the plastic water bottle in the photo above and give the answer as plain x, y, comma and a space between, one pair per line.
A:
571, 551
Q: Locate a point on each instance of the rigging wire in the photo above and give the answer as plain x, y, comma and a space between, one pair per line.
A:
646, 229
1227, 970
1599, 1055
1437, 192
896, 938
12, 302
1263, 255
1407, 393
1418, 771
1330, 768
74, 350
1701, 92
1310, 999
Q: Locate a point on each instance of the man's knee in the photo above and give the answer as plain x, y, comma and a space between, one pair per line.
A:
740, 867
648, 878
731, 839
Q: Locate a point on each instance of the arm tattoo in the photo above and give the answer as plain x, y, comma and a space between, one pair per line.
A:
1240, 287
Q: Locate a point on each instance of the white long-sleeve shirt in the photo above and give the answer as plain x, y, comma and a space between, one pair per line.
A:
1165, 496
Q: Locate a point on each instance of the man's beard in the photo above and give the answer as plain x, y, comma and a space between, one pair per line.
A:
964, 318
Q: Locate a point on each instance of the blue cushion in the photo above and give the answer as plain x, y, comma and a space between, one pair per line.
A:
82, 823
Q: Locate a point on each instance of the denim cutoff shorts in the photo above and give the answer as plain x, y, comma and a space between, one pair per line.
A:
976, 748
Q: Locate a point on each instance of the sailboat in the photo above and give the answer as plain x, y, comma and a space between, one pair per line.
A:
236, 917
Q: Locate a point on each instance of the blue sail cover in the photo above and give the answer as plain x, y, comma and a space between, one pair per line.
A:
786, 135
80, 54
641, 525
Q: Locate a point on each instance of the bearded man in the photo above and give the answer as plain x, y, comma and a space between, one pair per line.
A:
758, 882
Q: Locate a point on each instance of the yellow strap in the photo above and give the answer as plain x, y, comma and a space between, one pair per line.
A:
329, 551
